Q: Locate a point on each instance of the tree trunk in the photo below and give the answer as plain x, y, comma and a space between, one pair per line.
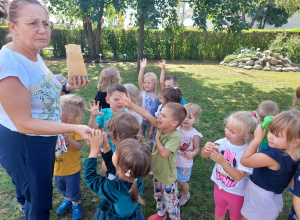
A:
259, 12
141, 41
90, 40
98, 38
264, 24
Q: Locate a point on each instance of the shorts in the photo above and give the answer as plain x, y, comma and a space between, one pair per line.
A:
260, 203
184, 174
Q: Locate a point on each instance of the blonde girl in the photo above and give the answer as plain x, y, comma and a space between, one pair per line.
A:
228, 173
136, 97
273, 167
108, 77
189, 148
150, 94
130, 163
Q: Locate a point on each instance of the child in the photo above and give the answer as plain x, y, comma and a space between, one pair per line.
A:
167, 142
169, 81
295, 190
136, 98
189, 148
121, 196
228, 173
266, 108
67, 166
100, 119
274, 167
150, 94
108, 77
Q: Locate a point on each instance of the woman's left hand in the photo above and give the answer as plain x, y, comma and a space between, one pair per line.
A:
77, 84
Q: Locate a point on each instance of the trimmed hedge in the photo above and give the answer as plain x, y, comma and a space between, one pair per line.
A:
192, 44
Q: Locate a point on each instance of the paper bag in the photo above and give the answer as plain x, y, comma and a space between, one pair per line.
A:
75, 63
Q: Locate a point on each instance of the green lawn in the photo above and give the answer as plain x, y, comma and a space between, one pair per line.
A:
217, 89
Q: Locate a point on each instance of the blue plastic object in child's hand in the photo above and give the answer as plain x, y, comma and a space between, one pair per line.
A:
265, 124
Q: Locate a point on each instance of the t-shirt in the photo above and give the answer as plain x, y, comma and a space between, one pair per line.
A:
102, 120
38, 79
275, 180
69, 162
150, 103
164, 169
182, 102
295, 189
186, 145
100, 96
232, 154
138, 117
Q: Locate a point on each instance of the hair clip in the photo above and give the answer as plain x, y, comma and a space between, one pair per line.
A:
254, 113
128, 173
136, 179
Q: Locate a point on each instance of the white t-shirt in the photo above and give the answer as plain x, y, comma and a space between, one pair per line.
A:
38, 79
138, 117
232, 154
186, 145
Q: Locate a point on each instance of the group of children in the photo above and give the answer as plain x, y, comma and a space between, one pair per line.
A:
254, 164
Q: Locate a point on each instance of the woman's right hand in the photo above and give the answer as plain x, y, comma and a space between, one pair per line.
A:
83, 131
94, 109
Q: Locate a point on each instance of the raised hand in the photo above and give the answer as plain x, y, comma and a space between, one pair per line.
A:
94, 109
143, 63
125, 100
96, 140
163, 64
259, 133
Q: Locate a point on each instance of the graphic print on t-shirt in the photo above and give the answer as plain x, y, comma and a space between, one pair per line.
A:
221, 174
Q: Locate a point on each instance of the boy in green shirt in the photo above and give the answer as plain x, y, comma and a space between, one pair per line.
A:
167, 142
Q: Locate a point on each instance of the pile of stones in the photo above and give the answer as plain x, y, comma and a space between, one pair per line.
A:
267, 61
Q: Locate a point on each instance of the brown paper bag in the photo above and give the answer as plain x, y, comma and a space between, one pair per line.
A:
75, 63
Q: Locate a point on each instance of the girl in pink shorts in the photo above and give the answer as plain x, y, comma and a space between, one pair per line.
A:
229, 174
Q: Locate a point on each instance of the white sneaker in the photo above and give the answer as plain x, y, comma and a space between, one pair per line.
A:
183, 199
21, 207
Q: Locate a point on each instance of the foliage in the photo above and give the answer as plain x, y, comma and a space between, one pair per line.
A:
230, 15
287, 45
3, 33
229, 58
291, 6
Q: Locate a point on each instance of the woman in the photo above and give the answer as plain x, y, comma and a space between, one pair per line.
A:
29, 108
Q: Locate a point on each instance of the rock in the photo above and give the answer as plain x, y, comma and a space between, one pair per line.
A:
273, 68
257, 67
286, 65
257, 62
297, 69
222, 63
233, 64
273, 61
278, 69
276, 56
250, 63
284, 69
259, 55
292, 69
267, 64
241, 66
294, 65
248, 67
267, 69
278, 66
244, 60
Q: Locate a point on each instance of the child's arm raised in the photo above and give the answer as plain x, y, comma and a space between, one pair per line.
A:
94, 110
196, 145
96, 140
252, 159
207, 149
77, 145
163, 152
129, 104
143, 64
217, 157
162, 74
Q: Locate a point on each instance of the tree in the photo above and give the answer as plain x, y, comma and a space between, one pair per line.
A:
89, 12
151, 12
3, 5
231, 14
291, 6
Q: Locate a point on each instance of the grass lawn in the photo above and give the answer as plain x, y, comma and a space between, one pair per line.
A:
217, 89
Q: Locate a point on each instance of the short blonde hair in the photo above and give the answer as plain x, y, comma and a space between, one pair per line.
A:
108, 77
154, 78
74, 104
266, 108
193, 109
134, 94
244, 120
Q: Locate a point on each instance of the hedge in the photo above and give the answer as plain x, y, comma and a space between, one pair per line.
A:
190, 44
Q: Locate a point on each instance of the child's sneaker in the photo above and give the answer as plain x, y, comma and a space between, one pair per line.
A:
77, 211
21, 207
183, 199
63, 207
157, 217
